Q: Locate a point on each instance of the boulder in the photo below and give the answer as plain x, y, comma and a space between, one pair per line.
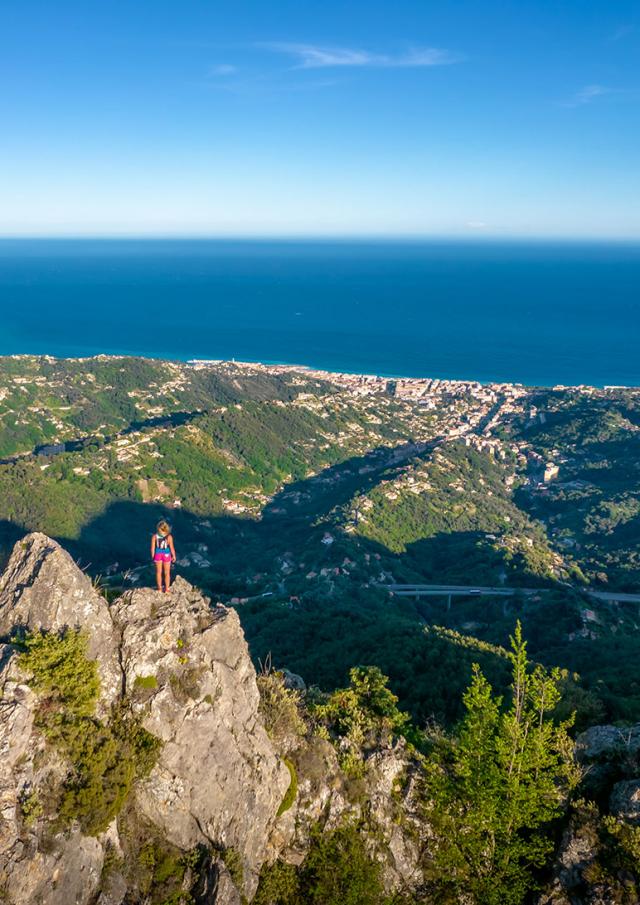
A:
624, 802
605, 742
293, 681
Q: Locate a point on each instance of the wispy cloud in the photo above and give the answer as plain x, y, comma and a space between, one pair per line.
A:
223, 69
315, 56
586, 95
621, 32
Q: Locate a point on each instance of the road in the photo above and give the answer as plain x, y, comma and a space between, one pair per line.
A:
448, 590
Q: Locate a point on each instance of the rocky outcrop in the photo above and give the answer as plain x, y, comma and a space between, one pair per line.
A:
606, 742
324, 798
577, 854
624, 802
382, 801
591, 866
392, 807
218, 780
185, 669
42, 588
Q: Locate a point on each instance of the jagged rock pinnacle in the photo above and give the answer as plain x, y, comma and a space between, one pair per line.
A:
185, 669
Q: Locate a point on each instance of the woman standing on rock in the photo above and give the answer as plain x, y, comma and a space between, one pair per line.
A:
163, 554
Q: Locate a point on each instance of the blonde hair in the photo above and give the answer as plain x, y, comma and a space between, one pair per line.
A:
163, 527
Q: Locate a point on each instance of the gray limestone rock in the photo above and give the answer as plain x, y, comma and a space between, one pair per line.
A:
578, 851
323, 798
218, 779
625, 801
293, 681
385, 795
391, 794
43, 588
70, 875
600, 742
186, 669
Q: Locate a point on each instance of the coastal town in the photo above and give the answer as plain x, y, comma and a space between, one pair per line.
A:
465, 410
429, 410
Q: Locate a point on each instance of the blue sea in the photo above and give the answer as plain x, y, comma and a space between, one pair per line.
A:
536, 313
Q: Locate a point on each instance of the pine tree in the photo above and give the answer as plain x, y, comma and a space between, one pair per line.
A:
493, 789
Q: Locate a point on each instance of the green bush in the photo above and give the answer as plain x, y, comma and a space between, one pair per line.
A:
365, 714
105, 759
279, 885
145, 683
160, 872
336, 871
627, 839
613, 866
233, 863
30, 806
62, 674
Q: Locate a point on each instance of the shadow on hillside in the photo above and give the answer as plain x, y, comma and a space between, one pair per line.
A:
626, 533
287, 541
324, 613
461, 557
172, 419
338, 484
50, 450
297, 515
10, 533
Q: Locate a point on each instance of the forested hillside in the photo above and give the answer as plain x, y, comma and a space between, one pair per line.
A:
299, 496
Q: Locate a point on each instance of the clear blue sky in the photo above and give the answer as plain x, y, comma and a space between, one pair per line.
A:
402, 117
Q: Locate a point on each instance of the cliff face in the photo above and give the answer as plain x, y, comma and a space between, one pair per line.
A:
185, 671
218, 779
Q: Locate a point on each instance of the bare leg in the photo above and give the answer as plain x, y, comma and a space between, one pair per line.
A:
167, 574
159, 575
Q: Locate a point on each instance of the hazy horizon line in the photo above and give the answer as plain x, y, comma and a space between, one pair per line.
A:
320, 237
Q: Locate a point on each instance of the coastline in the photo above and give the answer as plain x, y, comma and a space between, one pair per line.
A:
325, 372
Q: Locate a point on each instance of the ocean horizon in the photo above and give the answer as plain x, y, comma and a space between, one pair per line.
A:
536, 313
